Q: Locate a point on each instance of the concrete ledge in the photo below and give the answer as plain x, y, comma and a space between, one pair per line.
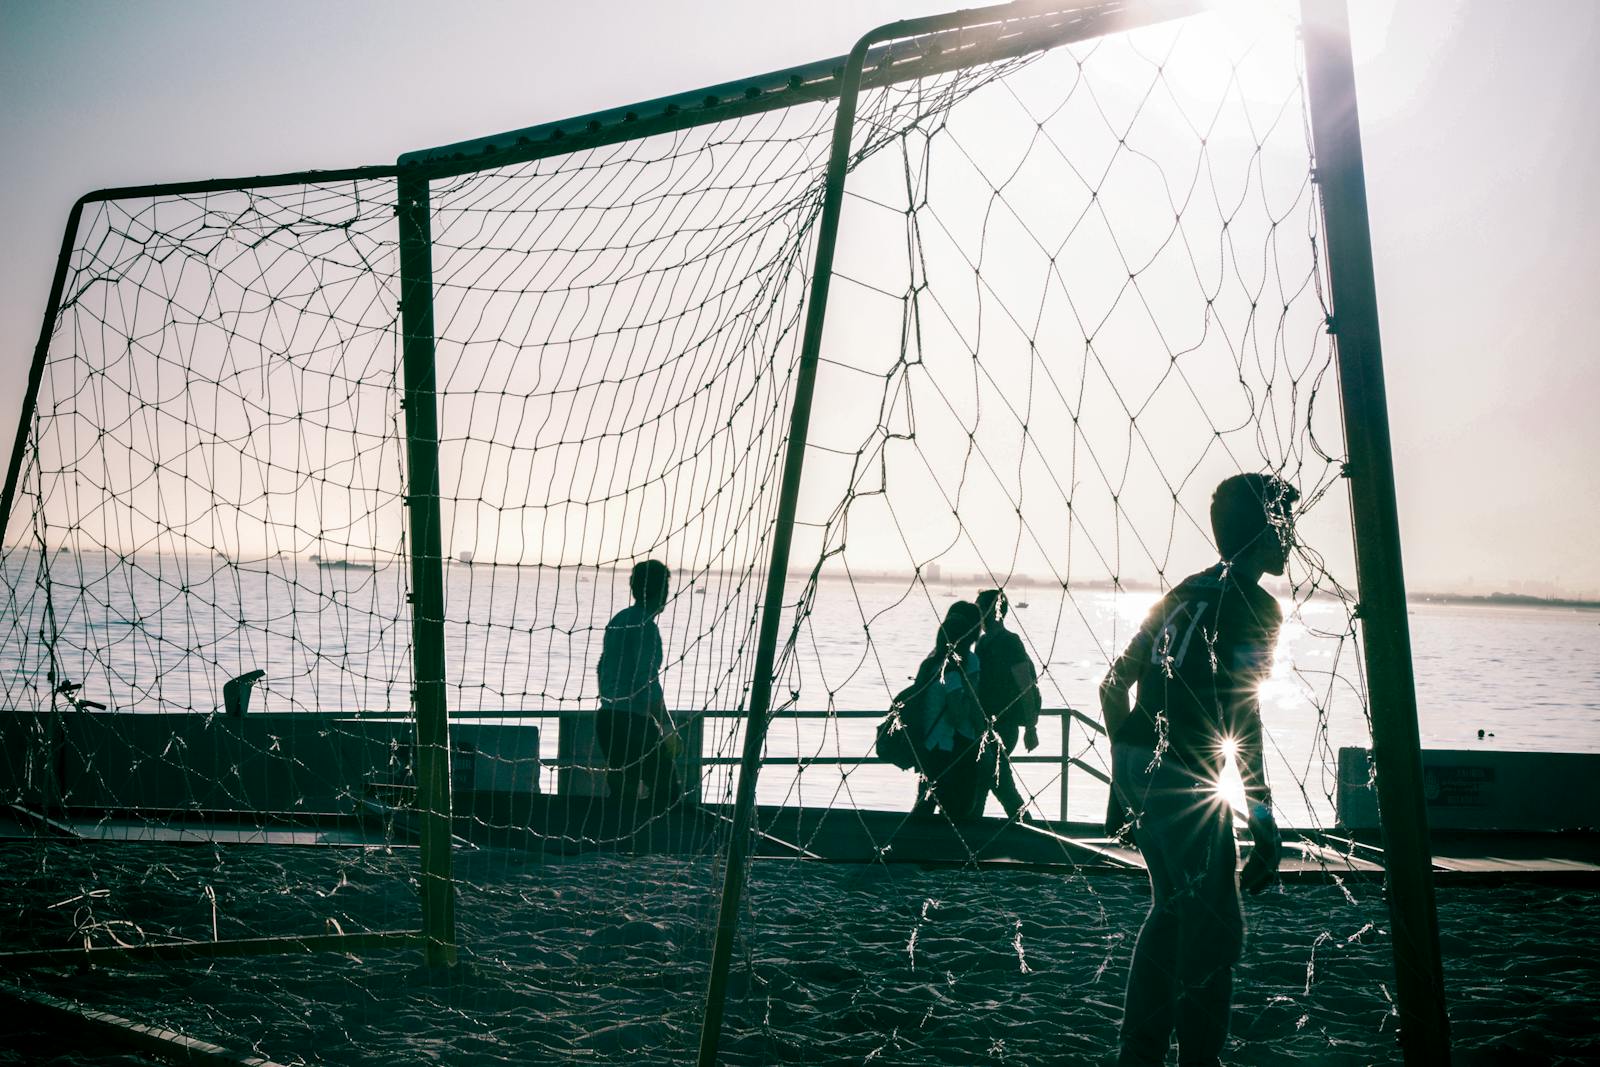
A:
303, 762
1467, 790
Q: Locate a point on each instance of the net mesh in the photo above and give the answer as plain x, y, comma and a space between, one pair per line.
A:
1072, 291
1066, 306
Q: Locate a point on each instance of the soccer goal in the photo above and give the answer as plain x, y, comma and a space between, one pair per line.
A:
330, 489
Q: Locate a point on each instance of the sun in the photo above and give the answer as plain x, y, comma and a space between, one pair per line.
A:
1230, 786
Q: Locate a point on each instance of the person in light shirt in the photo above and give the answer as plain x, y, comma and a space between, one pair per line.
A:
956, 746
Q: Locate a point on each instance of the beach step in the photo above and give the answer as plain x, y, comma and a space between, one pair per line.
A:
557, 825
1320, 856
1564, 856
194, 827
564, 825
1484, 855
848, 835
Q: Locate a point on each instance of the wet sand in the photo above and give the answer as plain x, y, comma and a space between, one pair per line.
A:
603, 959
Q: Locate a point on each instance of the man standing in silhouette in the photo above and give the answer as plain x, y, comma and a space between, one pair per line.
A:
633, 714
1199, 661
1010, 692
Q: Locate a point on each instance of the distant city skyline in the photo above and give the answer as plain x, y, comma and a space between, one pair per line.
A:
1478, 157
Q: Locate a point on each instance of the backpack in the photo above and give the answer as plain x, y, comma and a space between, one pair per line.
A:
1009, 685
952, 713
894, 742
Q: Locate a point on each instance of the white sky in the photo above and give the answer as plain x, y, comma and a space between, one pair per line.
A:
1480, 158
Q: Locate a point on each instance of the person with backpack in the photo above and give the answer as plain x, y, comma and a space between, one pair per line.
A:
1009, 694
954, 742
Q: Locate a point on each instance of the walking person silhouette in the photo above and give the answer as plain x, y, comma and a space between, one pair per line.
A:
1009, 694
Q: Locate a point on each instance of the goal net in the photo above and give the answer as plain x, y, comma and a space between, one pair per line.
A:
1076, 282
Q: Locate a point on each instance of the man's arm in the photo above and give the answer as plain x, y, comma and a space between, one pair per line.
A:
1035, 704
1115, 706
606, 669
1261, 868
1025, 681
1250, 669
1248, 749
652, 683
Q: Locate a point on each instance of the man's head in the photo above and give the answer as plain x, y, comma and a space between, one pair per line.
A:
1252, 520
961, 625
650, 581
992, 606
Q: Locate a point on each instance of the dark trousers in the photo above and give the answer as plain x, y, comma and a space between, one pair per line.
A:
1005, 782
961, 781
635, 753
1182, 974
958, 779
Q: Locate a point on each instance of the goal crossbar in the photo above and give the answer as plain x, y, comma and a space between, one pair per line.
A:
910, 50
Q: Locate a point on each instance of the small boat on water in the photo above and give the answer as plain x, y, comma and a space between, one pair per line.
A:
341, 564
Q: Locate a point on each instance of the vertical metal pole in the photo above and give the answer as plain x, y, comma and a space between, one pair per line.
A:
1396, 747
1066, 757
772, 607
427, 571
41, 351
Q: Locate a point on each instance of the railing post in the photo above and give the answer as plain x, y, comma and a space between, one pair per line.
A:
427, 570
1066, 758
1396, 746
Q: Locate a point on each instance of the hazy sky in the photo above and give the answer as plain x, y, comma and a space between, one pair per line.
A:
1480, 148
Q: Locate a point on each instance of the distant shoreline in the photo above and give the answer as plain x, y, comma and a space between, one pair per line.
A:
1503, 600
931, 579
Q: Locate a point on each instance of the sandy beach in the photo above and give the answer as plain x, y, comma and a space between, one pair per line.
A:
602, 959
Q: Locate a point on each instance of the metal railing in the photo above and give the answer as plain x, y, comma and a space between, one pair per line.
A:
696, 758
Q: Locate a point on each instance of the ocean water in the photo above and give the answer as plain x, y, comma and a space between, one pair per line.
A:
161, 634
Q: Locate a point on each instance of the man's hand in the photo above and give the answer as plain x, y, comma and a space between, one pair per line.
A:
672, 745
1030, 738
1261, 869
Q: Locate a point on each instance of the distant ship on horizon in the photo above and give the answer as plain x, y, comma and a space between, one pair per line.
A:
346, 564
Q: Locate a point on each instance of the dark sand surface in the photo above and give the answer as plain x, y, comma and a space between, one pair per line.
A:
603, 960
